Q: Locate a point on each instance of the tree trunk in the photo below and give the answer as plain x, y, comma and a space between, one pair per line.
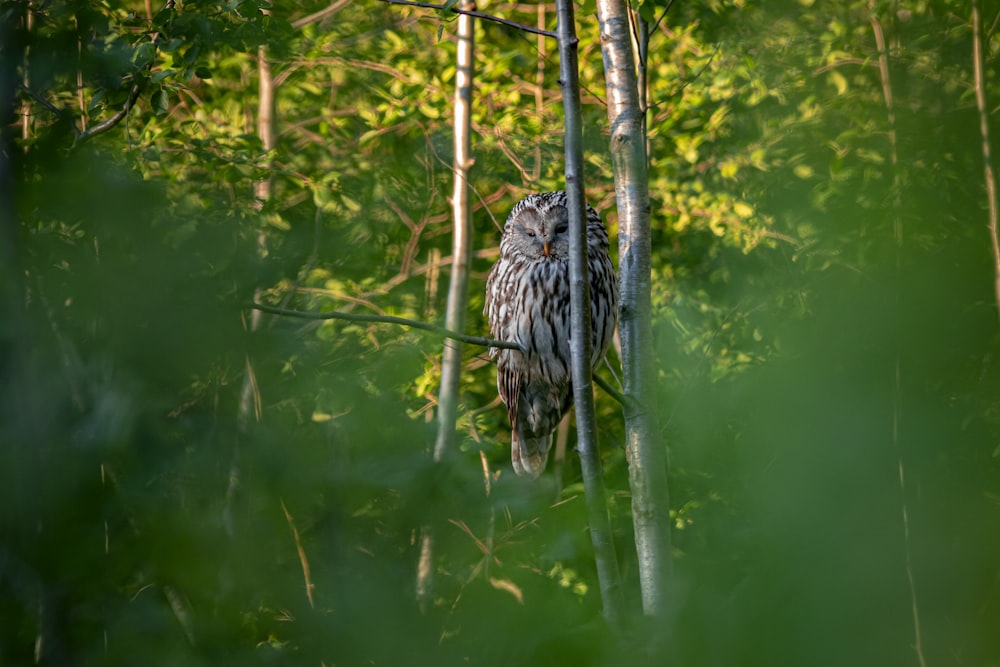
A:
984, 133
458, 286
645, 450
897, 369
583, 393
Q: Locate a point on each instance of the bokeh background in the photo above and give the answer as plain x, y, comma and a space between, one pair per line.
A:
175, 470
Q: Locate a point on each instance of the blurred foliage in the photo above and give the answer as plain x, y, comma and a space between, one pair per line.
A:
824, 318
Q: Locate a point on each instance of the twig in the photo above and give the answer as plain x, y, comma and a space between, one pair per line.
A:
478, 15
663, 14
388, 319
687, 82
303, 560
41, 100
320, 15
622, 399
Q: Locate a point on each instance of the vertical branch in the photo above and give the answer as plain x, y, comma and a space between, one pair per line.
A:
29, 21
461, 247
890, 109
461, 254
645, 450
11, 278
984, 133
250, 401
79, 77
608, 575
303, 559
897, 389
540, 46
265, 119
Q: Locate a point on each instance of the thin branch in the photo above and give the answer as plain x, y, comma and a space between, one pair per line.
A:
861, 62
478, 15
609, 389
984, 132
109, 123
56, 111
388, 319
303, 560
687, 82
320, 15
663, 14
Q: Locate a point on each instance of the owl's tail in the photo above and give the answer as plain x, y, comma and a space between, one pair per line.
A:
529, 455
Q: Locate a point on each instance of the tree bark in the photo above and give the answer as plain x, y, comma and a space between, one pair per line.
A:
645, 450
583, 394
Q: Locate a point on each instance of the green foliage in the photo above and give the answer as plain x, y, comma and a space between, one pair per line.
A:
805, 257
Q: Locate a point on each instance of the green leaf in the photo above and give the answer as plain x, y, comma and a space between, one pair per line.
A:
161, 75
203, 73
144, 55
647, 11
161, 102
95, 101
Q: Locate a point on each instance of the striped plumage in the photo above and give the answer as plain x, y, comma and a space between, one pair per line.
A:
528, 302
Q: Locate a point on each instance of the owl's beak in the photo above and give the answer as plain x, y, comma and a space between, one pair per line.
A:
545, 249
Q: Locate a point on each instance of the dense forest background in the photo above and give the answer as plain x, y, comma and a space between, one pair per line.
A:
187, 481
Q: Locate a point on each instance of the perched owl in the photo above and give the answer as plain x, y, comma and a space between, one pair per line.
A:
527, 302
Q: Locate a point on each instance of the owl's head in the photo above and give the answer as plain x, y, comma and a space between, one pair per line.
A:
538, 228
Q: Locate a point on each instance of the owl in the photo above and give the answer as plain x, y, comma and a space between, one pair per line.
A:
527, 302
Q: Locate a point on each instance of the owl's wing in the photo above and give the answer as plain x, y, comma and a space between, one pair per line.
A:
499, 308
509, 383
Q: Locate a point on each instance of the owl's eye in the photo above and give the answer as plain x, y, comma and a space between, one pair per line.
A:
530, 232
562, 228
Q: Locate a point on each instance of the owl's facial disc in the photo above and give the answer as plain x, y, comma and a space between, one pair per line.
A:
546, 233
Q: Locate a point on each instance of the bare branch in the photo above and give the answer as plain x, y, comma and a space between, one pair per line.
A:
109, 123
320, 15
41, 100
478, 15
610, 390
387, 319
303, 560
663, 14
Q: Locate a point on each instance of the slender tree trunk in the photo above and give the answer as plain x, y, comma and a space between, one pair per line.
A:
984, 133
583, 393
11, 278
541, 46
897, 388
265, 118
645, 450
249, 409
458, 286
29, 21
